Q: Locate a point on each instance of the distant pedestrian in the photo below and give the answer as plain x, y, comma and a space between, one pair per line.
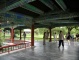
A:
68, 37
72, 37
44, 38
77, 37
24, 34
61, 39
55, 37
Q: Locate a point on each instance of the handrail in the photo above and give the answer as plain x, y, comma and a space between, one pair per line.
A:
13, 47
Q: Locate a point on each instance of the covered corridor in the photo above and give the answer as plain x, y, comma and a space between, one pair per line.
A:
40, 14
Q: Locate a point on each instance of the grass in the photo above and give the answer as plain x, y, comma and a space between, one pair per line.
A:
28, 37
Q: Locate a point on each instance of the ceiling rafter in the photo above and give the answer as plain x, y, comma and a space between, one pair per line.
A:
51, 18
59, 21
54, 12
48, 3
66, 23
52, 25
61, 4
59, 16
14, 5
32, 8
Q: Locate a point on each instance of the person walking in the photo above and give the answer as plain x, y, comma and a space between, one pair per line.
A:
69, 38
61, 39
24, 34
44, 38
55, 37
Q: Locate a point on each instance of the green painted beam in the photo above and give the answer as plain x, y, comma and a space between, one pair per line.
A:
64, 24
56, 25
16, 4
21, 27
61, 4
67, 24
41, 26
58, 21
48, 3
32, 8
54, 12
58, 16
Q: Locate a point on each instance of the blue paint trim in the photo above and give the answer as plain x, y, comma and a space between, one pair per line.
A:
7, 15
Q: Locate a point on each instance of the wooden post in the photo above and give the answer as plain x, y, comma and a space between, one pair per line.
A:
50, 35
32, 35
12, 35
20, 34
4, 33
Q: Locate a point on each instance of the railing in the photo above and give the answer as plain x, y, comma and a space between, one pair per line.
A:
13, 47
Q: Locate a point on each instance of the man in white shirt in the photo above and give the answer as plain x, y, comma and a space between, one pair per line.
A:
61, 39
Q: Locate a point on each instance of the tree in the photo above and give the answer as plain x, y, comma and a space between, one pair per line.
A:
36, 31
71, 27
42, 30
57, 29
77, 28
17, 32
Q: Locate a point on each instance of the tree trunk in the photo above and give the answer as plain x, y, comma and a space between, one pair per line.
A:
69, 29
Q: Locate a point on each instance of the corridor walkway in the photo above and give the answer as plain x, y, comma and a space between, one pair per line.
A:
48, 52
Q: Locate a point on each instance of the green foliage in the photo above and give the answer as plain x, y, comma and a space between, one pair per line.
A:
17, 32
77, 28
57, 29
42, 30
1, 36
36, 31
71, 27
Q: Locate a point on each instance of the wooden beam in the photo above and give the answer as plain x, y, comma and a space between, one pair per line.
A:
32, 8
48, 3
12, 35
32, 35
57, 21
14, 5
58, 16
61, 4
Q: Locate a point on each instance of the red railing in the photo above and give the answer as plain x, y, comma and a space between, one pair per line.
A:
13, 47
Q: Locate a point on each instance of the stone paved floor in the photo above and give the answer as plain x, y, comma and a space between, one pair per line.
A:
47, 52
